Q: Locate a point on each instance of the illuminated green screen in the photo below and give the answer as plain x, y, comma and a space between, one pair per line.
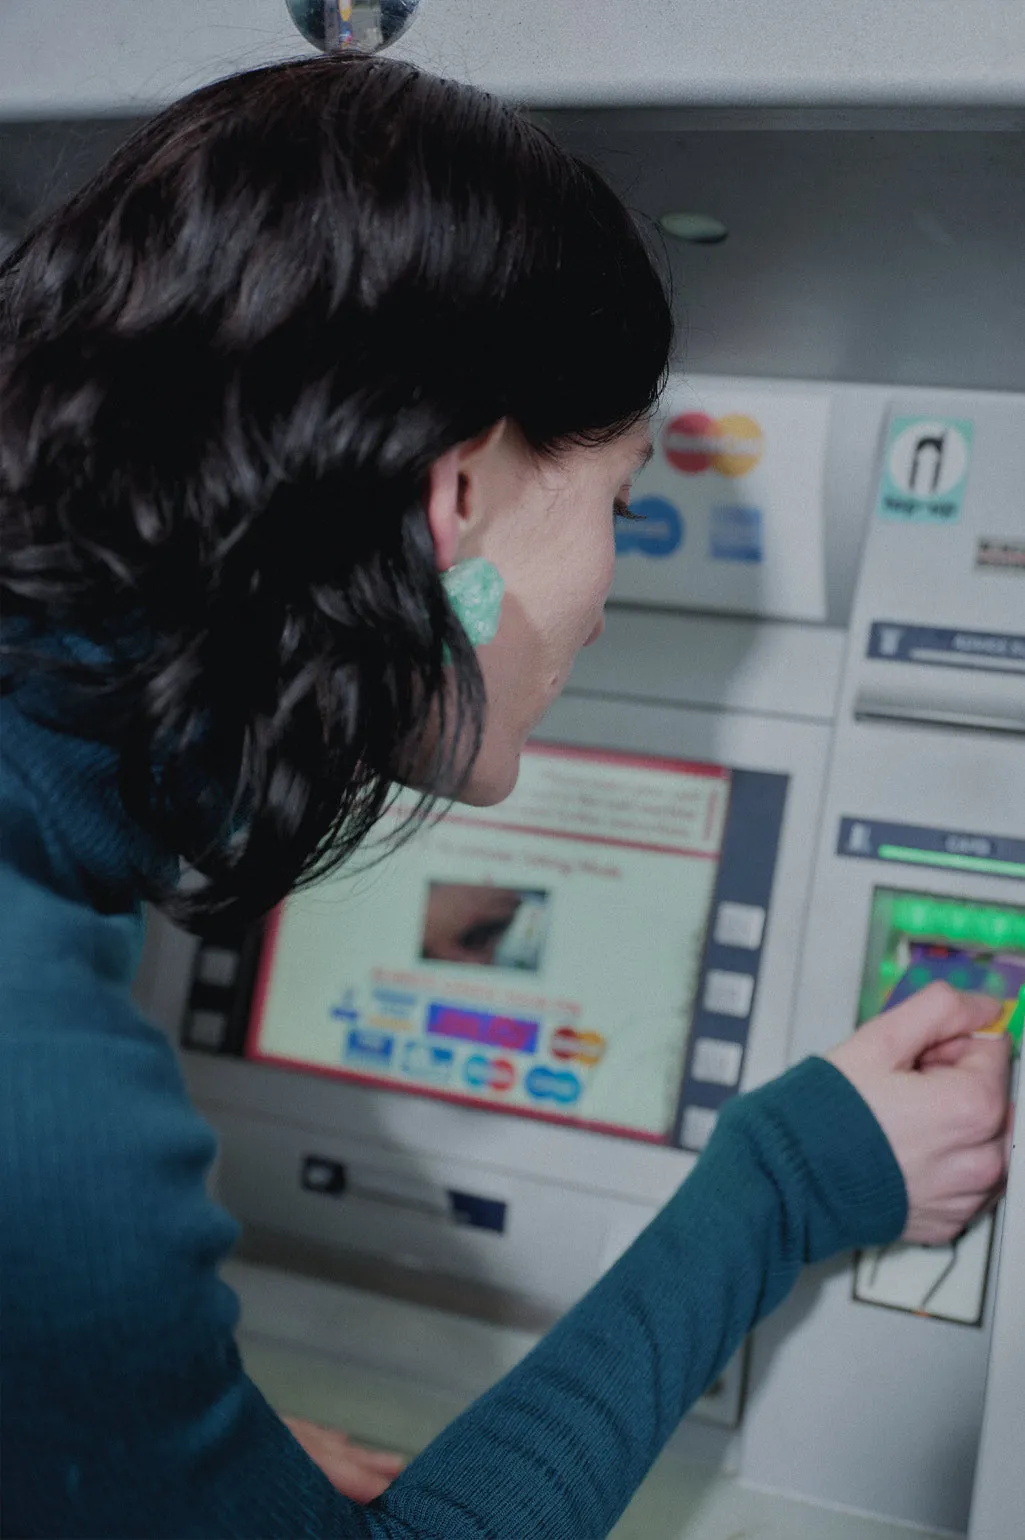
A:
916, 937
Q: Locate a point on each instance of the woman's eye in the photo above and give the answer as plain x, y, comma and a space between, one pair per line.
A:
622, 510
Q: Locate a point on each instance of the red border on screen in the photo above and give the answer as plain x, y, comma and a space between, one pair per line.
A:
254, 1054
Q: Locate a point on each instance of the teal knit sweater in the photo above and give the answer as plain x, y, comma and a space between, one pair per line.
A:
126, 1411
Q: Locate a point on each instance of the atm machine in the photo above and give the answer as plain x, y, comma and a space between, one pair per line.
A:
452, 1087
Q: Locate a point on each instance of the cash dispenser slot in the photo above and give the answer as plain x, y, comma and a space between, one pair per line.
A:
923, 711
336, 1179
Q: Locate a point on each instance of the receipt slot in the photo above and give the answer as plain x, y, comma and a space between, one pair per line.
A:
920, 874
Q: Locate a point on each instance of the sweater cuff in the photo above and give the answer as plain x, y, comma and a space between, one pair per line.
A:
819, 1132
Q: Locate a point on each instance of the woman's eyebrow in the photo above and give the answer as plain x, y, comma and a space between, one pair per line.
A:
646, 455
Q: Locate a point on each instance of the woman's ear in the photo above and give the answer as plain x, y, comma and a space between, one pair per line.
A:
454, 493
444, 495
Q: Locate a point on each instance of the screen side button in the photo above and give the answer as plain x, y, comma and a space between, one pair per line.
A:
716, 1062
217, 966
698, 1126
740, 925
206, 1029
728, 993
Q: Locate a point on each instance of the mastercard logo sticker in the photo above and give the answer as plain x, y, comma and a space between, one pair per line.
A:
694, 443
580, 1047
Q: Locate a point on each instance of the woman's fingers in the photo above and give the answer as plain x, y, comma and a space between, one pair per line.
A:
941, 1097
378, 1460
361, 1474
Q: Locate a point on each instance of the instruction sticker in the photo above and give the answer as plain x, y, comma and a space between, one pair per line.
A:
925, 470
1001, 555
732, 505
997, 652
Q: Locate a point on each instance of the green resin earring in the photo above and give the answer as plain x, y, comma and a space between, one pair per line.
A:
475, 591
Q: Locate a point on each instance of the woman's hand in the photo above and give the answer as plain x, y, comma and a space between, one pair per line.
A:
361, 1474
941, 1096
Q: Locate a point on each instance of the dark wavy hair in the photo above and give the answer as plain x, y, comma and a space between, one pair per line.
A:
226, 368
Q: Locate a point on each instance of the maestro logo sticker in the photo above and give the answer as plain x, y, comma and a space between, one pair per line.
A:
694, 443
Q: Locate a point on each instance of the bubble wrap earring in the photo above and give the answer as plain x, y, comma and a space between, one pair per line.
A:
475, 591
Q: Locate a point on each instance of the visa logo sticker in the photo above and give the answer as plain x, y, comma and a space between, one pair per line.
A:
658, 530
925, 470
368, 1047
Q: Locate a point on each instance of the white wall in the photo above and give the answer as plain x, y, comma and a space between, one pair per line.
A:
87, 56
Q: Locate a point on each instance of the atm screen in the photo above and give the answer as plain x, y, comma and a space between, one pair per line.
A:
585, 953
915, 938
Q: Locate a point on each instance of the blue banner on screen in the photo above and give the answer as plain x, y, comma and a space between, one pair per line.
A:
478, 1027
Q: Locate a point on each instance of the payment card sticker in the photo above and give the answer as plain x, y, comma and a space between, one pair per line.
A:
731, 508
925, 470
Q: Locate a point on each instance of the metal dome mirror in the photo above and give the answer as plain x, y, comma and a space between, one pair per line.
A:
365, 24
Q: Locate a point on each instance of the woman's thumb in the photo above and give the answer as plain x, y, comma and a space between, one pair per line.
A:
937, 1014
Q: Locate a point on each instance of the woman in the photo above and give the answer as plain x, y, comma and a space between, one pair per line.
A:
317, 338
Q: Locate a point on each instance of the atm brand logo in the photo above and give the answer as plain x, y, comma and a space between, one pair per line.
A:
485, 1074
577, 1047
694, 443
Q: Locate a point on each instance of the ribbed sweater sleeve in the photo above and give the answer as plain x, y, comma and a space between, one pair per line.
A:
126, 1411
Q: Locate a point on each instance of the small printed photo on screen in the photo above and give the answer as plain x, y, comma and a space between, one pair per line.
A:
483, 925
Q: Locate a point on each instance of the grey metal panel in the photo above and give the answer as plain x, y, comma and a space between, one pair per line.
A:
876, 250
998, 1503
855, 252
852, 1403
99, 55
657, 51
736, 665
